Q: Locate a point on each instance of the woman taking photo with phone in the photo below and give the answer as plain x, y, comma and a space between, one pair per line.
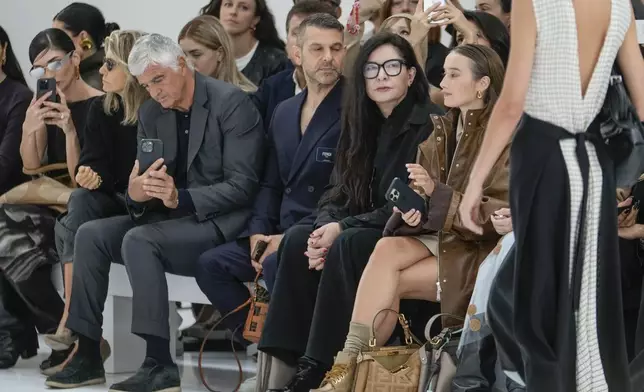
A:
105, 163
431, 256
52, 133
208, 46
258, 49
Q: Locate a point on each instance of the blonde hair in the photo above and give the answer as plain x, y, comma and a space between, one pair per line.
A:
118, 46
206, 30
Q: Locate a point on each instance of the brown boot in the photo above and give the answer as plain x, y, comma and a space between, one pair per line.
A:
340, 377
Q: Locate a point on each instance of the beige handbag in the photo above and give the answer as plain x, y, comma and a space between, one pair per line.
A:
42, 190
391, 368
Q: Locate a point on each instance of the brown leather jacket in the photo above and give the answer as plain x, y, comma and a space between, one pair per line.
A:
460, 251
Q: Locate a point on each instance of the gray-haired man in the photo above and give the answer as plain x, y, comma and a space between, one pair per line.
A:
198, 196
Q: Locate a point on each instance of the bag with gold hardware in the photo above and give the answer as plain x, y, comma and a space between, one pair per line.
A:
257, 313
391, 368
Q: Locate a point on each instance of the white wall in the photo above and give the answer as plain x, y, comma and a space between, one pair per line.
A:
23, 19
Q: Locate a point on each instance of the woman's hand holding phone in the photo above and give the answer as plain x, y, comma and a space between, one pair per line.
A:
628, 215
58, 114
34, 117
411, 217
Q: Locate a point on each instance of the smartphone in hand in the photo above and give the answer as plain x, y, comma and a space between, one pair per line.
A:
404, 197
150, 150
260, 249
45, 85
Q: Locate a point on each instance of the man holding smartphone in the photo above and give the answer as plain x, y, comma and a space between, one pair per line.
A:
303, 136
198, 195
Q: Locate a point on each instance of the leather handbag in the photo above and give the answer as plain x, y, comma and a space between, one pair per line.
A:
442, 358
623, 133
395, 368
257, 313
42, 189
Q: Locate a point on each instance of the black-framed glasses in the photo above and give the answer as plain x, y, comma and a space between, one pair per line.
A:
391, 67
54, 66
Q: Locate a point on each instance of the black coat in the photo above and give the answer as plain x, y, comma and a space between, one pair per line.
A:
266, 62
398, 143
271, 92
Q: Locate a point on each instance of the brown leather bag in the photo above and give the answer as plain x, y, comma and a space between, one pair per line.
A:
391, 368
257, 314
252, 330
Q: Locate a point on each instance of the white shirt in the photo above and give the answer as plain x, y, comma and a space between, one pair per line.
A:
243, 61
298, 89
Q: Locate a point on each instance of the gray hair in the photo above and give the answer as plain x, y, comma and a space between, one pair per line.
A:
321, 21
154, 49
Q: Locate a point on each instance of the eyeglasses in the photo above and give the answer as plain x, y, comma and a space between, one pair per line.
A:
54, 66
391, 68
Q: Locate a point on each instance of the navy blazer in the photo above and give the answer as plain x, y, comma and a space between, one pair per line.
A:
298, 166
272, 92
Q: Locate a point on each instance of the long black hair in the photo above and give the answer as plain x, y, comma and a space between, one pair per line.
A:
78, 17
51, 38
11, 68
361, 119
495, 31
265, 31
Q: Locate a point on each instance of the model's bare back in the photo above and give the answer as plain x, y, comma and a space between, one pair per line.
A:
593, 19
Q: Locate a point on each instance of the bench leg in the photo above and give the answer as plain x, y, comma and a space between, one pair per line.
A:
128, 350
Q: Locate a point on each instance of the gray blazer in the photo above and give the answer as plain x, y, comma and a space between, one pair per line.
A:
225, 152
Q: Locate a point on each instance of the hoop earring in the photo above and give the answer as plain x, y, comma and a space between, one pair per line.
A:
479, 95
87, 44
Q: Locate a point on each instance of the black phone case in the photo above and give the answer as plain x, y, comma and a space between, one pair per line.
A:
404, 197
149, 151
43, 86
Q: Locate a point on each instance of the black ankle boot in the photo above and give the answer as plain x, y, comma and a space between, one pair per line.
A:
17, 344
309, 375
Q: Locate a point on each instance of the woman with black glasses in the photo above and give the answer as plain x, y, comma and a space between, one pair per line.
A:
106, 160
52, 133
386, 115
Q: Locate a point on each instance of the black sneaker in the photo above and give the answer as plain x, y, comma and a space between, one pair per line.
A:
79, 372
54, 363
151, 377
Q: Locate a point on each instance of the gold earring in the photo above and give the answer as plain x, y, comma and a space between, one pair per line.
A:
86, 44
4, 59
479, 95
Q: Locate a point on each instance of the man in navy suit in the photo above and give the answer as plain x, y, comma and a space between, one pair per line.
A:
285, 84
302, 142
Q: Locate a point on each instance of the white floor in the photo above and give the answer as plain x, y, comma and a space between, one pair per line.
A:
220, 370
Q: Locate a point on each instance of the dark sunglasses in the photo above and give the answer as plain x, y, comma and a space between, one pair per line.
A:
391, 67
110, 64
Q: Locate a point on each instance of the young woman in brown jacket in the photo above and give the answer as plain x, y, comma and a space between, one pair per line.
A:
432, 256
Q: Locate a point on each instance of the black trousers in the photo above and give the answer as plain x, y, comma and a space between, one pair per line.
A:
148, 251
310, 311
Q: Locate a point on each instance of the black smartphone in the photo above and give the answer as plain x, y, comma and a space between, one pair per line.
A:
405, 198
149, 151
43, 86
259, 250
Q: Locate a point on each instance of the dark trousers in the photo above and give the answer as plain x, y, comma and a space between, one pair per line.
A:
83, 206
221, 273
310, 310
148, 251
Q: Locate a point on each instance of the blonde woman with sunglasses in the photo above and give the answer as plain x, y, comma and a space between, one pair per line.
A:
105, 162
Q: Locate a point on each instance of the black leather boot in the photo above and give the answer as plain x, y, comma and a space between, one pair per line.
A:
309, 375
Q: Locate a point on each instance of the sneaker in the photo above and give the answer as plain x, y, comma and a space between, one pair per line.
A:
151, 377
79, 372
340, 377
